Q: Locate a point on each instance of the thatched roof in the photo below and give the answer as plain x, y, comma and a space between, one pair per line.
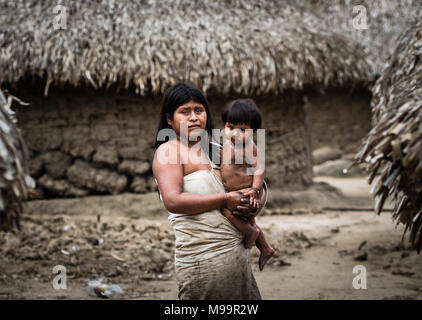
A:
392, 151
14, 173
386, 20
246, 46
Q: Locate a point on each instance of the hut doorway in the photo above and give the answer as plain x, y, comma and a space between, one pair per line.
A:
339, 120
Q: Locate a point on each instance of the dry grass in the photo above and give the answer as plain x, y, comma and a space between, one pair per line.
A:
14, 173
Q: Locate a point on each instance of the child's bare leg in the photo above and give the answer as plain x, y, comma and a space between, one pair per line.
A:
251, 232
266, 250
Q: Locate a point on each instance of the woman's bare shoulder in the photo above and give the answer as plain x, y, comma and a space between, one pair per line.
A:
167, 154
165, 148
168, 144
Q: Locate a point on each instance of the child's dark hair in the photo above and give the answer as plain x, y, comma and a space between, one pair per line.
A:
242, 111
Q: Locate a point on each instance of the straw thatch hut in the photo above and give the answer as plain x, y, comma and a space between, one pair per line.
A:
14, 172
94, 73
392, 151
375, 25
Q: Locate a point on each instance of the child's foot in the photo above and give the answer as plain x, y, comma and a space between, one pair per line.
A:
265, 255
251, 237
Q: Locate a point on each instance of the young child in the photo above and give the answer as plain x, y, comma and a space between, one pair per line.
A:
240, 115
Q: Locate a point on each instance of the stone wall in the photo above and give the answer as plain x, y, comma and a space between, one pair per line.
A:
84, 141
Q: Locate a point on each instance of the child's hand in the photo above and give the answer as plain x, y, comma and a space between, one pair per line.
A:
257, 203
254, 200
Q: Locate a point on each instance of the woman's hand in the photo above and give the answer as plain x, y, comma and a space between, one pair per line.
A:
233, 200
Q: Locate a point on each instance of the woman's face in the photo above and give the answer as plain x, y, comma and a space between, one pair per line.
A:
191, 114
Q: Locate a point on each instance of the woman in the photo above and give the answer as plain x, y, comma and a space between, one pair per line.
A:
210, 259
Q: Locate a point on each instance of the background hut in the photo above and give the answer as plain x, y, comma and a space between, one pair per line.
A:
340, 123
85, 138
392, 151
14, 173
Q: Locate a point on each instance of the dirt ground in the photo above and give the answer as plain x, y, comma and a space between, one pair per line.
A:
318, 241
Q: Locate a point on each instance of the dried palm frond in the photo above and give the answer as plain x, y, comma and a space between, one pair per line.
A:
385, 21
14, 177
245, 46
392, 151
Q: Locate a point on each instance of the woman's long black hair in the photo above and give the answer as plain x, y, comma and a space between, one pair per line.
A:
174, 97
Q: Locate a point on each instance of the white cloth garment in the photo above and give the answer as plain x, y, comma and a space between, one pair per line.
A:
211, 261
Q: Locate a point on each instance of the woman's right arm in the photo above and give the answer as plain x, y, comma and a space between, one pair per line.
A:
169, 177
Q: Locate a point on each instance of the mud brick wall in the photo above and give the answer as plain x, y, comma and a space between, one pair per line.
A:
84, 141
340, 119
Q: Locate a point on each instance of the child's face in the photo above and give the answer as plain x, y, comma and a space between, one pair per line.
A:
237, 133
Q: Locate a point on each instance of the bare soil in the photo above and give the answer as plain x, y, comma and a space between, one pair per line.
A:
127, 240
